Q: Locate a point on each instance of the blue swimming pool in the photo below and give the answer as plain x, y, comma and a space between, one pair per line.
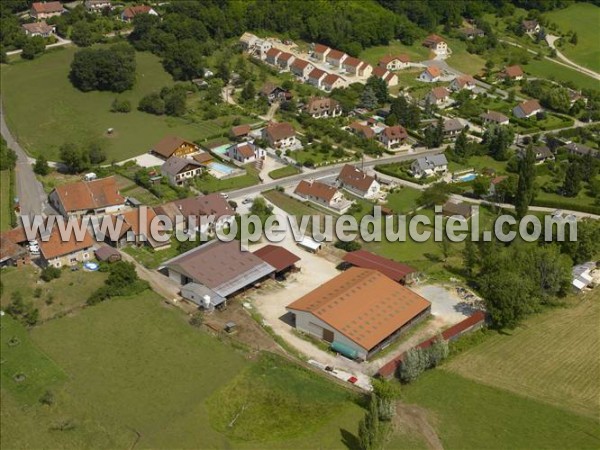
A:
467, 177
218, 167
221, 149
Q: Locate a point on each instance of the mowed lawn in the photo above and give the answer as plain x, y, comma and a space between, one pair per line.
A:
5, 201
553, 357
44, 110
471, 416
584, 19
416, 52
547, 69
132, 372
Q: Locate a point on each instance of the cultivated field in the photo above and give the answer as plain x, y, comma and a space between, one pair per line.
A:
547, 69
582, 18
44, 110
552, 358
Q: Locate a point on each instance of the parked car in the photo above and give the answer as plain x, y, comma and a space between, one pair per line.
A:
247, 200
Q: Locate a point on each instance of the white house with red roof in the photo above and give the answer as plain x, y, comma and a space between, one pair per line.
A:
358, 182
285, 60
271, 55
301, 68
438, 96
316, 77
333, 81
395, 62
390, 78
320, 52
336, 58
45, 10
463, 82
246, 152
430, 75
393, 138
437, 44
355, 66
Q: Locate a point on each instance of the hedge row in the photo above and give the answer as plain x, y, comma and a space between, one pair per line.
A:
560, 204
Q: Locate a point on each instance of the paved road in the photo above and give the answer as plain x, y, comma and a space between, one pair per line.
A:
551, 39
32, 198
60, 43
327, 172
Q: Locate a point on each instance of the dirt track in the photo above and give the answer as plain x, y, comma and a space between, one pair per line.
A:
414, 419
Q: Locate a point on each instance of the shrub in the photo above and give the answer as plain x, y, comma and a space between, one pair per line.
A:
122, 106
349, 246
50, 273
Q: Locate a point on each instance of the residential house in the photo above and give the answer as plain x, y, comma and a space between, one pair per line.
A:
579, 149
362, 130
56, 252
301, 68
13, 250
272, 54
494, 182
453, 127
320, 52
222, 268
137, 227
174, 146
526, 109
261, 47
180, 170
531, 26
203, 214
438, 96
285, 60
542, 154
280, 135
335, 58
203, 158
322, 194
393, 137
323, 107
355, 66
463, 82
247, 41
430, 75
359, 312
275, 93
390, 78
461, 210
395, 62
38, 29
45, 10
437, 44
316, 77
240, 132
358, 182
333, 81
472, 33
494, 118
97, 5
246, 152
80, 198
130, 12
429, 165
512, 72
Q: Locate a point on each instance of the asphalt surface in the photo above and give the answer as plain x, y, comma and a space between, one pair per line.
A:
32, 198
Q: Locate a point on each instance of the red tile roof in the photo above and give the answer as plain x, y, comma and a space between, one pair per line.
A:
47, 7
440, 92
56, 247
278, 131
167, 145
240, 130
433, 71
276, 256
355, 177
432, 40
359, 128
367, 260
388, 59
335, 54
273, 52
513, 71
133, 11
352, 62
320, 48
88, 195
316, 74
380, 72
316, 189
395, 132
331, 78
529, 106
300, 64
364, 305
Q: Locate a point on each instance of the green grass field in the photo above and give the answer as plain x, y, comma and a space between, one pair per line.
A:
547, 69
403, 201
283, 172
582, 18
552, 358
208, 183
44, 110
5, 201
132, 371
416, 52
58, 296
470, 416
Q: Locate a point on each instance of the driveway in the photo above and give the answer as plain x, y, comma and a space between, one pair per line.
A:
32, 198
551, 40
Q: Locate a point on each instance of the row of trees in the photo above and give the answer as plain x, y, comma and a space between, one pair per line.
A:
417, 360
79, 158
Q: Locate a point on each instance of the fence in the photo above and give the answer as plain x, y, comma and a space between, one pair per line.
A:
471, 323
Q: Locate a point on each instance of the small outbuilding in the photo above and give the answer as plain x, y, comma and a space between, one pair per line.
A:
280, 258
398, 272
107, 254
